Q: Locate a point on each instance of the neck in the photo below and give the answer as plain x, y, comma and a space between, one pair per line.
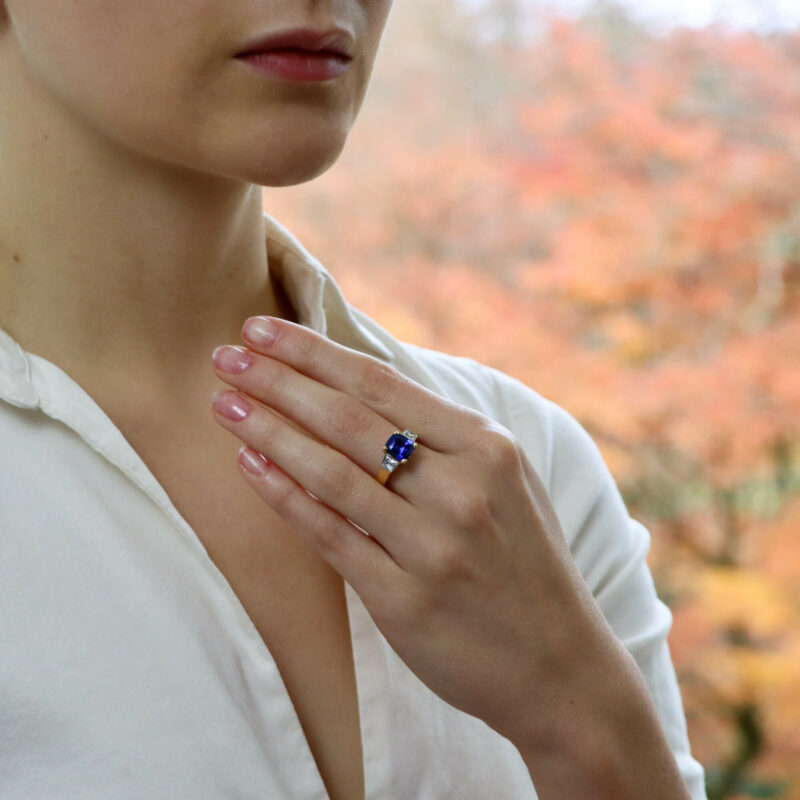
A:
113, 265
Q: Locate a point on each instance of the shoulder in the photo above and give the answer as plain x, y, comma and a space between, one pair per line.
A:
560, 449
552, 437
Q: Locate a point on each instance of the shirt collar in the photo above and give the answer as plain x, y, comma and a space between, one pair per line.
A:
311, 289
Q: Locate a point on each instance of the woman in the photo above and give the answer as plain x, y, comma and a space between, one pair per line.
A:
175, 625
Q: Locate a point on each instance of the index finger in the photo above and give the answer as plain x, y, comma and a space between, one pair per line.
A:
441, 424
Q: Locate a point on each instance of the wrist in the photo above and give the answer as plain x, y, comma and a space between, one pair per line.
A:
601, 736
570, 744
587, 682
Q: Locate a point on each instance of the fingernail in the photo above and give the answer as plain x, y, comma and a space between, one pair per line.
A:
230, 405
259, 330
252, 461
231, 358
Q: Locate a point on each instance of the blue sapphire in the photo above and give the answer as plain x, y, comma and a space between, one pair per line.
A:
399, 446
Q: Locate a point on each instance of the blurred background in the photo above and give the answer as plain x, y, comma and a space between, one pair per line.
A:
603, 200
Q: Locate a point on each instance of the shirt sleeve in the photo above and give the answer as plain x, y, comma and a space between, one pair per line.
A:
609, 547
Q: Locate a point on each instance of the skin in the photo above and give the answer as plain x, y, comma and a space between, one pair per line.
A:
131, 171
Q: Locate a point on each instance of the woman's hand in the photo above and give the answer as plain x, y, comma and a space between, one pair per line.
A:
465, 570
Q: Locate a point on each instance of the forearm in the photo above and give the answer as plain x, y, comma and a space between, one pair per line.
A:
603, 739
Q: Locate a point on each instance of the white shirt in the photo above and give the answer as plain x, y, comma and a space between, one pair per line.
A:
129, 669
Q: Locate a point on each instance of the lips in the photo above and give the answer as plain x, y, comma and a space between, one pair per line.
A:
335, 42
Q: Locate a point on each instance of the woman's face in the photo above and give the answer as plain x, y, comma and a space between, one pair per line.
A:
160, 78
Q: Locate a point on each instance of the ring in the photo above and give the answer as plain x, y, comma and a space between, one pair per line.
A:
397, 450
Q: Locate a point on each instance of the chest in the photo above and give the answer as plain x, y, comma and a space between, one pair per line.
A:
295, 599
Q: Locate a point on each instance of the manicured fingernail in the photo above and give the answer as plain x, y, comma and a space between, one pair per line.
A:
230, 405
232, 358
252, 461
259, 330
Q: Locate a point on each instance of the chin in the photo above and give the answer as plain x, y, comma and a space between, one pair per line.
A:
306, 161
302, 174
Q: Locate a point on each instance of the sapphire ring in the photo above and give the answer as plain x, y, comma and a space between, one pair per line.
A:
397, 450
